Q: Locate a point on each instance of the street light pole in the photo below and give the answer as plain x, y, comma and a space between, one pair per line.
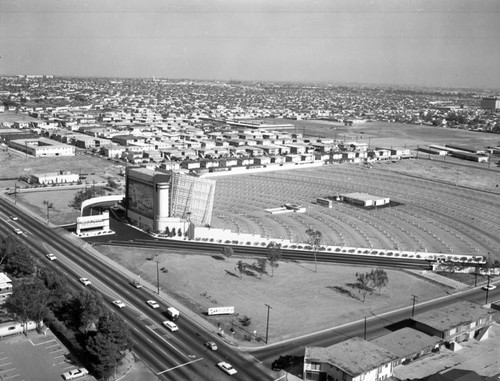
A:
267, 324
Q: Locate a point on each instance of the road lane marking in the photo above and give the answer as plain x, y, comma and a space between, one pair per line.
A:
179, 366
166, 342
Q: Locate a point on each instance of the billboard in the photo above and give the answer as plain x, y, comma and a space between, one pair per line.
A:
220, 310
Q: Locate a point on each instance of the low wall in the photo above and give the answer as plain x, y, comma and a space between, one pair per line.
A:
226, 236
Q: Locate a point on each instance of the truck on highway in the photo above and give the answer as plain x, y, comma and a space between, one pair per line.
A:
172, 313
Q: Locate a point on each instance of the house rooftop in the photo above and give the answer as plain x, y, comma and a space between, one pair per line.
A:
354, 356
406, 341
453, 315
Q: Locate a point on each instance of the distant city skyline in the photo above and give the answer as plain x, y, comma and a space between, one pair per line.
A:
449, 43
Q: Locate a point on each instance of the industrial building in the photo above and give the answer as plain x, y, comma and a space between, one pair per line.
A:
42, 147
161, 201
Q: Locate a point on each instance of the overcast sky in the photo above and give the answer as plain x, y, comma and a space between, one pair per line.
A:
450, 43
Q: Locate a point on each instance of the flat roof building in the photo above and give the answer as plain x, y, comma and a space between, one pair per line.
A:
350, 360
42, 147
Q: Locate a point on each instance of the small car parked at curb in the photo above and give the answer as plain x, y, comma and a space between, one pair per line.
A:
13, 218
17, 231
75, 373
227, 368
51, 257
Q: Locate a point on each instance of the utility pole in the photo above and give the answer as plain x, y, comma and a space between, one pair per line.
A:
49, 206
487, 289
364, 336
267, 324
414, 297
158, 275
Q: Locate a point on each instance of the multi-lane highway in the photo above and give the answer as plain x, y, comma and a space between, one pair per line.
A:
179, 355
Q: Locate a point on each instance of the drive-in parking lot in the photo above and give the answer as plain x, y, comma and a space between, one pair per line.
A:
36, 357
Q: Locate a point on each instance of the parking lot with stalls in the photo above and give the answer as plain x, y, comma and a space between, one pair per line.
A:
35, 357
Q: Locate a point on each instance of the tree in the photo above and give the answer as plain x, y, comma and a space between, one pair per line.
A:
29, 302
56, 285
364, 284
314, 240
273, 255
108, 345
88, 307
8, 247
379, 278
85, 194
113, 184
261, 266
241, 268
227, 251
20, 263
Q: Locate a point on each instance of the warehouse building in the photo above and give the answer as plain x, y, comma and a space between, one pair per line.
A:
42, 147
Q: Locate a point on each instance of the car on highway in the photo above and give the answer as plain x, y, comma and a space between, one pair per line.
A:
489, 287
226, 368
75, 373
170, 325
13, 218
153, 303
135, 284
17, 231
211, 345
118, 303
84, 281
51, 257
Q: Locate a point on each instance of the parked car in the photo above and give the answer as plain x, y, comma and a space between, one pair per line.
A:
135, 284
84, 281
227, 368
153, 303
17, 231
170, 325
118, 303
211, 345
75, 373
13, 218
51, 257
284, 362
489, 287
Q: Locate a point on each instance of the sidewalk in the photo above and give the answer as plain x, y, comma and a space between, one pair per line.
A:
434, 277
